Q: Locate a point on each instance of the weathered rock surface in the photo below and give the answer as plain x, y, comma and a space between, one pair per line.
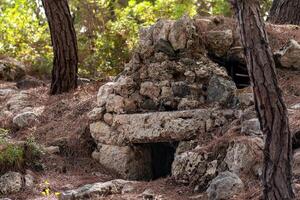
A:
296, 163
219, 42
130, 162
221, 90
251, 127
25, 119
10, 182
158, 126
225, 186
245, 156
289, 55
95, 191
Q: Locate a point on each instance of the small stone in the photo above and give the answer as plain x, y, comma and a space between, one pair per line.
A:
296, 163
108, 118
96, 114
25, 119
219, 42
95, 191
29, 181
10, 182
115, 104
246, 99
186, 104
181, 89
224, 186
251, 127
52, 150
149, 89
296, 106
289, 55
190, 76
221, 90
104, 92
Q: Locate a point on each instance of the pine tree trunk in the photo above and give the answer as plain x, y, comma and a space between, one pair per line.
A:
285, 12
63, 37
270, 107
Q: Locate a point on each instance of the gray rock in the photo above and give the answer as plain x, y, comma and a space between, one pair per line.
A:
219, 42
29, 181
130, 162
125, 86
180, 89
96, 114
25, 119
246, 99
108, 118
104, 92
149, 89
296, 163
225, 186
245, 156
161, 126
289, 55
251, 127
52, 150
180, 32
115, 104
187, 104
296, 106
221, 90
95, 191
10, 182
4, 93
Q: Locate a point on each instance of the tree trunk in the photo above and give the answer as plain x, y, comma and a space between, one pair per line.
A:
63, 37
285, 12
270, 107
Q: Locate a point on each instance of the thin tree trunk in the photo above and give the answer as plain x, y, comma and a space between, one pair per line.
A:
285, 12
270, 107
63, 37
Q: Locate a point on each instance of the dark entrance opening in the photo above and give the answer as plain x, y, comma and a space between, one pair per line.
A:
162, 155
237, 70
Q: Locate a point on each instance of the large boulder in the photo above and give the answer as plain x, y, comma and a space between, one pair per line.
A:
10, 182
289, 55
225, 186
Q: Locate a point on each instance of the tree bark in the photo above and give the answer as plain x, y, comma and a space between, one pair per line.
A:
285, 12
270, 107
64, 42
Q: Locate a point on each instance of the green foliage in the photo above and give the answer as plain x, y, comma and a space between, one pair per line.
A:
23, 33
107, 30
11, 156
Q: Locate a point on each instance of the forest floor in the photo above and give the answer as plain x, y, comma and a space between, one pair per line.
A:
64, 123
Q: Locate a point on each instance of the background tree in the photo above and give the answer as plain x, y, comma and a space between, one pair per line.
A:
285, 12
64, 42
270, 107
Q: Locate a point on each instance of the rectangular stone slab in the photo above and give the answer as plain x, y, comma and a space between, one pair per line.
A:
160, 126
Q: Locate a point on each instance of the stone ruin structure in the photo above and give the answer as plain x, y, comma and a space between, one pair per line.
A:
159, 101
163, 115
